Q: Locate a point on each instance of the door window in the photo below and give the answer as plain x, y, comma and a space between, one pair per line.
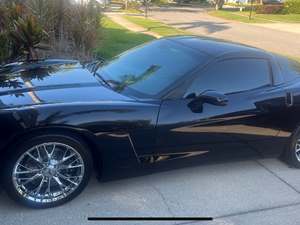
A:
234, 75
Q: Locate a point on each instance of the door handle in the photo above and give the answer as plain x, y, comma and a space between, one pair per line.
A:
289, 99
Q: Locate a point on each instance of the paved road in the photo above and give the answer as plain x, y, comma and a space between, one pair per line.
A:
279, 38
249, 192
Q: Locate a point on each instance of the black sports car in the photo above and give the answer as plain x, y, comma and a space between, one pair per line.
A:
172, 98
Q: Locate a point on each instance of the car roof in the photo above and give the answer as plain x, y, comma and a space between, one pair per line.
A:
216, 47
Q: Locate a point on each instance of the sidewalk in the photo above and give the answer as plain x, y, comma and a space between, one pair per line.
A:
118, 18
284, 27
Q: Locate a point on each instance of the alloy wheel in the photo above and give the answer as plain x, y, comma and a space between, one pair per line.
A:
48, 172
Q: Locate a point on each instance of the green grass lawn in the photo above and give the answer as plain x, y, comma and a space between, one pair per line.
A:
155, 26
114, 39
256, 18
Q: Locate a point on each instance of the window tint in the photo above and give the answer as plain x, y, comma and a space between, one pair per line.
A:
232, 76
290, 68
150, 69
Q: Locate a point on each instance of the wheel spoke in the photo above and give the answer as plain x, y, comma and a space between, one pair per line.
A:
60, 184
64, 167
32, 179
28, 171
67, 179
40, 177
49, 155
65, 158
38, 189
48, 190
39, 155
34, 158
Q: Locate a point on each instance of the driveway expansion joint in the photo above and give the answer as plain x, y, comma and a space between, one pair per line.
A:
277, 176
246, 212
163, 199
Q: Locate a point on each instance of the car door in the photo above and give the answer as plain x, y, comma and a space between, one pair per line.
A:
245, 118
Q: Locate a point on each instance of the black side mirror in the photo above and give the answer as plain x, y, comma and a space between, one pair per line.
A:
210, 97
214, 98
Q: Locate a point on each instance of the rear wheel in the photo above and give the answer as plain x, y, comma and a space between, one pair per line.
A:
47, 171
292, 154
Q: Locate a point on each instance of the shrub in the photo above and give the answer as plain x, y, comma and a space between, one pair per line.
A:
70, 29
4, 53
133, 5
20, 33
269, 9
26, 36
160, 2
292, 6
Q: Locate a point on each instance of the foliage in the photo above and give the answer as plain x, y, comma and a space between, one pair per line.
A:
269, 9
160, 2
26, 37
217, 3
20, 34
292, 6
257, 18
239, 4
133, 5
4, 50
3, 35
85, 21
69, 28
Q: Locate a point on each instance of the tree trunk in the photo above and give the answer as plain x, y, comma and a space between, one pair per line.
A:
126, 4
219, 4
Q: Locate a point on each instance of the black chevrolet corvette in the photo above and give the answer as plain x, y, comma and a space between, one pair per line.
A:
172, 98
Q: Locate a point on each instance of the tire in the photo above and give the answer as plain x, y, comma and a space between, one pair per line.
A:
57, 169
292, 154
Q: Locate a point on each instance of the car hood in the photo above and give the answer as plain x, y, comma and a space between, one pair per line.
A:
44, 83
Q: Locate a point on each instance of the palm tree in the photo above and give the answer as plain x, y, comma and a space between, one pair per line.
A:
26, 37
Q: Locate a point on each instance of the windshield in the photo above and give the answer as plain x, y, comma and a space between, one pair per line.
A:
149, 70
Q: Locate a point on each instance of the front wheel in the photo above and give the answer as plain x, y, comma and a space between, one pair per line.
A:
47, 171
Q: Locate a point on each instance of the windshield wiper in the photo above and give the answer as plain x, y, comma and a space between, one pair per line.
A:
104, 81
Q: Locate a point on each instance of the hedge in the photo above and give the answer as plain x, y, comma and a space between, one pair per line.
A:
270, 9
292, 6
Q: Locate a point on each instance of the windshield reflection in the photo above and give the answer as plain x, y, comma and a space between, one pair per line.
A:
151, 69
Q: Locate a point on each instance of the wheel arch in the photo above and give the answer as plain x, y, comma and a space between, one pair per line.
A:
83, 135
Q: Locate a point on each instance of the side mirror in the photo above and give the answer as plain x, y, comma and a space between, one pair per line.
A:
213, 97
210, 97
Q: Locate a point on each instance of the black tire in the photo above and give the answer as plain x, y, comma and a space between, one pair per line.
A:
68, 140
290, 155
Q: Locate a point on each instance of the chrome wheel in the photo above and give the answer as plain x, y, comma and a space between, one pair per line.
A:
48, 172
297, 150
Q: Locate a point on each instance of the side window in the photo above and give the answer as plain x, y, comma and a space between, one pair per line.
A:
290, 68
234, 75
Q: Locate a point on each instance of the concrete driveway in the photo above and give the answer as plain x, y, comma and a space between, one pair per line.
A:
277, 37
237, 192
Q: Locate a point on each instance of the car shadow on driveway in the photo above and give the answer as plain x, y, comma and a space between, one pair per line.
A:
125, 176
210, 27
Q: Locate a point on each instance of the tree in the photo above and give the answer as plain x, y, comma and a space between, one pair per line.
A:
218, 3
